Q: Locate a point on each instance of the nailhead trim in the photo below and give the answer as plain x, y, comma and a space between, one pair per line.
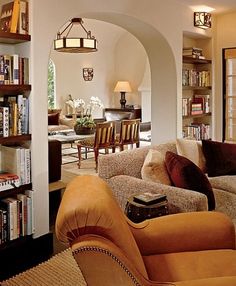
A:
99, 249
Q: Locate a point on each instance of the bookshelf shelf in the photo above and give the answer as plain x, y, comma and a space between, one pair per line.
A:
15, 191
197, 116
14, 88
188, 87
14, 139
13, 38
190, 60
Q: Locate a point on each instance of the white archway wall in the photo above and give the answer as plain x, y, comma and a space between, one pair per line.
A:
164, 61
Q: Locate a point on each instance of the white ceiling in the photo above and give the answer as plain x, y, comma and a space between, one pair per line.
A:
220, 6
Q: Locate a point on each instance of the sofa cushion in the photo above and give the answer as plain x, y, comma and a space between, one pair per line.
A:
192, 150
220, 158
185, 174
226, 183
154, 168
53, 118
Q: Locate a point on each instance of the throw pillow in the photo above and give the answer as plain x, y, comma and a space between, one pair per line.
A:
154, 168
53, 118
185, 174
192, 150
220, 158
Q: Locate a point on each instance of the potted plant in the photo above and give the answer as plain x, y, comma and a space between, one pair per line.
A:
85, 124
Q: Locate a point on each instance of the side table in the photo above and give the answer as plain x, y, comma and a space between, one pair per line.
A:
137, 212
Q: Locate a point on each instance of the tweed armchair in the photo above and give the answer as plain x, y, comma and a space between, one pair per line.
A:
189, 249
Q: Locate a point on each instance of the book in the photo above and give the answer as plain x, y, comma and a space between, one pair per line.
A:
149, 198
24, 18
15, 16
11, 160
7, 69
4, 121
2, 69
24, 215
15, 69
6, 17
30, 212
8, 181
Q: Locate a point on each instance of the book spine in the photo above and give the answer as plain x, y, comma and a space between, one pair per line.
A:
2, 69
15, 68
30, 210
4, 121
15, 16
7, 69
24, 18
27, 166
20, 108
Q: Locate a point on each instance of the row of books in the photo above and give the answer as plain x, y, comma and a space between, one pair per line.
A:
14, 115
192, 77
14, 69
199, 104
14, 17
197, 131
193, 52
16, 216
15, 160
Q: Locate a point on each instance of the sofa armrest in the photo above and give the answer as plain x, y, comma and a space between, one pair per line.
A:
193, 231
179, 200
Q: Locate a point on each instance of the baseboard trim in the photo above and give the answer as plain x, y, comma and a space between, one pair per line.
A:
23, 254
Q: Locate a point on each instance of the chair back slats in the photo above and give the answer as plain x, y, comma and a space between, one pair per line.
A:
105, 134
129, 131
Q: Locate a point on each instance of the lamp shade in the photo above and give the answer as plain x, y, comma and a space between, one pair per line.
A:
122, 86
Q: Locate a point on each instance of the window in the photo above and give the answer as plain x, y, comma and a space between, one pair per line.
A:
229, 100
51, 85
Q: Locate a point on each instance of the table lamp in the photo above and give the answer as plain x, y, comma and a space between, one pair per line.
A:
122, 87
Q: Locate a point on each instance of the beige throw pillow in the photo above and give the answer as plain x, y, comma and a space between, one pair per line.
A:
192, 150
154, 168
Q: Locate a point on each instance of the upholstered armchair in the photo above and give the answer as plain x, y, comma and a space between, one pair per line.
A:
187, 249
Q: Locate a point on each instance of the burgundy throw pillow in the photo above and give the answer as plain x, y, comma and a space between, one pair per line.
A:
53, 118
220, 158
185, 174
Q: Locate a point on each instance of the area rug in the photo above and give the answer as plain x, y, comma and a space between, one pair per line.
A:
60, 270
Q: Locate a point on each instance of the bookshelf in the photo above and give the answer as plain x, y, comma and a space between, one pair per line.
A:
9, 245
196, 94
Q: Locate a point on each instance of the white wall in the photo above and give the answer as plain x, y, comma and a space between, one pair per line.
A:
158, 26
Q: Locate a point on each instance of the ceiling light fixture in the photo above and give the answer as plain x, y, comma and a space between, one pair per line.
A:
202, 20
67, 44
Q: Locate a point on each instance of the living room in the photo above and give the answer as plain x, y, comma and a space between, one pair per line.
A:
158, 33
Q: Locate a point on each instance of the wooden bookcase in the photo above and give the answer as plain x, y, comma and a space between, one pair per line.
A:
196, 92
14, 89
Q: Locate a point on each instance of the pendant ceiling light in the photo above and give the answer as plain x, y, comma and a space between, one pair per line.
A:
67, 44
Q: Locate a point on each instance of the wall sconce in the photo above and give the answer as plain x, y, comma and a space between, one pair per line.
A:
202, 20
88, 74
122, 87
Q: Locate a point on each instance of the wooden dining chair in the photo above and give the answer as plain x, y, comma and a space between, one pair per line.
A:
104, 139
129, 133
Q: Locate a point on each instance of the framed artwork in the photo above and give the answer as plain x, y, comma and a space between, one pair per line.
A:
88, 74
